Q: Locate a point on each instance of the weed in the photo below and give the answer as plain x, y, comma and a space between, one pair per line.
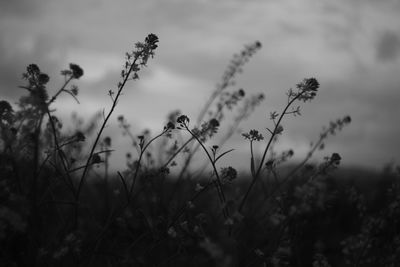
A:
56, 209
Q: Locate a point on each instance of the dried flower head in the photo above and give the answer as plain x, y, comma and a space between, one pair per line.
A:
152, 40
77, 71
32, 69
183, 120
169, 126
253, 135
43, 78
307, 89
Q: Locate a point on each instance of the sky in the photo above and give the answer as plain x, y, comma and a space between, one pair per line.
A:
351, 46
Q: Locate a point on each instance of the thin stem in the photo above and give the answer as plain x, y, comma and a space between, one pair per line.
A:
60, 91
60, 152
114, 104
208, 103
139, 163
193, 198
219, 184
178, 151
256, 175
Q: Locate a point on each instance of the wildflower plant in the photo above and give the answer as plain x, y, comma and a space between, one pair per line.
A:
160, 211
305, 91
135, 60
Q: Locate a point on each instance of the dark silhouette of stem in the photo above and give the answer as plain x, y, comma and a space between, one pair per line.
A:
257, 173
114, 104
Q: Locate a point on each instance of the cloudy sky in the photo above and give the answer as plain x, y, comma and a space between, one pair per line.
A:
351, 46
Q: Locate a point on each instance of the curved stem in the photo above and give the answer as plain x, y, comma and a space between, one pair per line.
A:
60, 152
178, 151
59, 91
219, 184
256, 175
139, 164
114, 104
126, 78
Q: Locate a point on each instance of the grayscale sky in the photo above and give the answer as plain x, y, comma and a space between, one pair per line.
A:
351, 46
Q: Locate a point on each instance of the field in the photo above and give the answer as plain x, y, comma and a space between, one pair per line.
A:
63, 205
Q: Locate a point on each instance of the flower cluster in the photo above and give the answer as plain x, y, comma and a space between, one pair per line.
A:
74, 71
34, 76
36, 86
183, 121
335, 126
77, 71
236, 64
138, 58
306, 90
207, 129
230, 99
253, 135
169, 126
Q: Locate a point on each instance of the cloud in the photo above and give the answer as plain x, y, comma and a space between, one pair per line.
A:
338, 42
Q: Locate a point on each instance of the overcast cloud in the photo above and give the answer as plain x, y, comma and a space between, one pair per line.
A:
351, 47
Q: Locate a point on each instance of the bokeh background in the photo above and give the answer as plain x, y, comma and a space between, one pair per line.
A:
351, 46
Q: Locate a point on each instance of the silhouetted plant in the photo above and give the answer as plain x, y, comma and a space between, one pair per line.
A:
161, 212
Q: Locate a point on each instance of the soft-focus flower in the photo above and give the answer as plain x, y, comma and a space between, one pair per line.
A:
228, 174
169, 126
96, 158
74, 90
5, 107
347, 119
80, 137
335, 158
214, 123
107, 141
43, 78
279, 129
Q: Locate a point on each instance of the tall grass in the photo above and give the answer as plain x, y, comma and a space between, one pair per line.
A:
58, 210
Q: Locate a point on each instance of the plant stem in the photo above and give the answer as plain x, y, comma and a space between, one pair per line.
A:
114, 104
218, 181
257, 174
